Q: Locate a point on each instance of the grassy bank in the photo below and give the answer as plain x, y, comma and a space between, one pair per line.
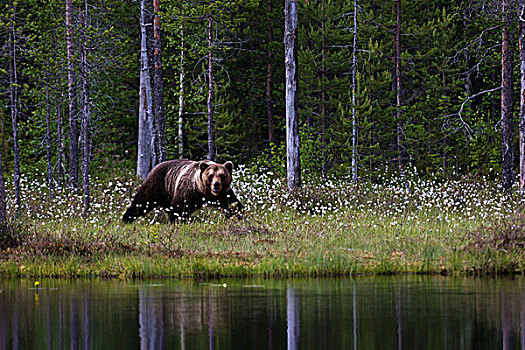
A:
327, 228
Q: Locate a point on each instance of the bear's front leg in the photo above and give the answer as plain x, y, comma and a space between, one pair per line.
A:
230, 204
181, 210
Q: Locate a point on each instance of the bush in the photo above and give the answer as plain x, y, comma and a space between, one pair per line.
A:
505, 235
12, 233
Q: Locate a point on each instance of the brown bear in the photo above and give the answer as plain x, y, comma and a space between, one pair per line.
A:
183, 186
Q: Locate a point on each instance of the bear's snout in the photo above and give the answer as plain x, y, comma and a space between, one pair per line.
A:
216, 186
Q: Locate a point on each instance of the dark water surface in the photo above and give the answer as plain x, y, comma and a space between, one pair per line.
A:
403, 312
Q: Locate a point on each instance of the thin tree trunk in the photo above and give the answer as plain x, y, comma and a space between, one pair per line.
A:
73, 123
86, 154
468, 88
48, 141
393, 144
293, 162
494, 115
58, 109
309, 119
181, 95
506, 95
269, 106
60, 143
3, 207
160, 143
354, 85
445, 113
324, 165
398, 86
13, 94
145, 134
211, 138
521, 40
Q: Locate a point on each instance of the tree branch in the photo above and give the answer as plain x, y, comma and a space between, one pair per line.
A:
465, 124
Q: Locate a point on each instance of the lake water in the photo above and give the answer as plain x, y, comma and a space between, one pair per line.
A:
366, 312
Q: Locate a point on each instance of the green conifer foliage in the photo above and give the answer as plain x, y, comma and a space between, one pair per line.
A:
450, 74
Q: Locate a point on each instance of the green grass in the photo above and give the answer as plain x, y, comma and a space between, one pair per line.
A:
328, 228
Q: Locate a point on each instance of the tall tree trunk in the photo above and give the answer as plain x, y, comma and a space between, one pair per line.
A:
181, 95
48, 140
73, 123
160, 143
145, 136
506, 95
13, 96
521, 40
398, 85
293, 162
269, 105
324, 165
211, 136
86, 149
354, 85
150, 48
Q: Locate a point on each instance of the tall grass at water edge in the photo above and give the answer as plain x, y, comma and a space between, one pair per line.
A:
327, 228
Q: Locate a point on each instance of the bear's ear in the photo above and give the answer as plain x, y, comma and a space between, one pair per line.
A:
203, 165
229, 166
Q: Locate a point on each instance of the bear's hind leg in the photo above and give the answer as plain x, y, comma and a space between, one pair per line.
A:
136, 210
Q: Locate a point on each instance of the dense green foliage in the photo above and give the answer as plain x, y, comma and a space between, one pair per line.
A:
449, 50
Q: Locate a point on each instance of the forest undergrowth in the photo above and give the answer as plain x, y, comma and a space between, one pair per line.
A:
329, 227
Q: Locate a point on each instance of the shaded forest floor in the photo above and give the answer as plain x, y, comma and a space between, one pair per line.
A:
328, 228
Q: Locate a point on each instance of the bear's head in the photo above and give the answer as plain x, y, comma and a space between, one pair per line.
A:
216, 177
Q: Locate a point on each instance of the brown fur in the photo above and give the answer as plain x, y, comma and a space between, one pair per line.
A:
183, 186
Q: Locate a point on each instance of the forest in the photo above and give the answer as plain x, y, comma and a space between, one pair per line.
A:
366, 137
381, 86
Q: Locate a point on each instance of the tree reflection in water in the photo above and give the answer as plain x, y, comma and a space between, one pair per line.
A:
362, 313
293, 317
